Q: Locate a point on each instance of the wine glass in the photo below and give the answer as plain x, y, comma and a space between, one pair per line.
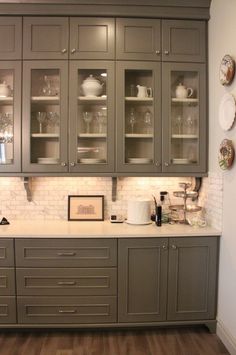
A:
41, 118
179, 124
52, 118
189, 124
87, 117
132, 119
148, 120
101, 117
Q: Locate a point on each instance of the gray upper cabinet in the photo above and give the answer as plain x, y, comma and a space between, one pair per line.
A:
92, 38
45, 37
10, 114
183, 41
138, 39
10, 38
142, 279
192, 278
45, 116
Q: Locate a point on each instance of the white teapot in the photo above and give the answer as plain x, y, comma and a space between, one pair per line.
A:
182, 92
91, 86
4, 90
143, 91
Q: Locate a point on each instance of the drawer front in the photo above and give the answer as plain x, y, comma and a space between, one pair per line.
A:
7, 310
66, 253
6, 252
7, 281
71, 310
60, 282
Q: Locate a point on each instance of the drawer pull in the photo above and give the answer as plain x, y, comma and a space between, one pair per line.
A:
66, 283
66, 254
67, 311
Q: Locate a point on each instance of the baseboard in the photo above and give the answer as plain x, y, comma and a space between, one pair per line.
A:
226, 337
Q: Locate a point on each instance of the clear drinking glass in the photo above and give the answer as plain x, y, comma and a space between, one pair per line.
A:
148, 121
87, 117
132, 119
41, 118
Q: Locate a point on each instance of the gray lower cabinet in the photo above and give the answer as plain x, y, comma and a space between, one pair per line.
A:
7, 282
63, 281
167, 280
142, 279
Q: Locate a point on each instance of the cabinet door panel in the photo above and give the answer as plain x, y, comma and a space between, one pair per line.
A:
142, 280
10, 116
10, 37
6, 252
45, 116
192, 278
138, 117
138, 39
183, 41
92, 123
45, 38
92, 38
7, 281
185, 123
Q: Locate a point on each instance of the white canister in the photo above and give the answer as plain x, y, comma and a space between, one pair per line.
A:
139, 211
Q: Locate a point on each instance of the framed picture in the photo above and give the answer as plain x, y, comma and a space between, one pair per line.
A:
86, 208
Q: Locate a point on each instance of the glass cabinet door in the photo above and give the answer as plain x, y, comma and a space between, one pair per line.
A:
45, 116
138, 117
91, 146
10, 101
184, 118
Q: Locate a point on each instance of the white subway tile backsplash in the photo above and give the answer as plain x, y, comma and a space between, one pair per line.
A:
50, 194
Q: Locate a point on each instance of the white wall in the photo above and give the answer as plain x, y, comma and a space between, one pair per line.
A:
222, 40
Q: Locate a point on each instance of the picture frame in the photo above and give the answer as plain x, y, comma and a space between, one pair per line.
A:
86, 208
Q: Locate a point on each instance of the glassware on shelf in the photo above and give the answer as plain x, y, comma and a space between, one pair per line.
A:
47, 88
87, 117
132, 119
6, 127
52, 119
101, 117
179, 124
148, 121
189, 125
41, 118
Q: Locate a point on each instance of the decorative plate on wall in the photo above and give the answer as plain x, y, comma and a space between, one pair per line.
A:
226, 154
227, 70
227, 111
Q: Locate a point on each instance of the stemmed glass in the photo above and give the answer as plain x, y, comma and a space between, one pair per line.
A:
132, 119
179, 124
41, 118
148, 120
189, 123
101, 117
52, 118
87, 117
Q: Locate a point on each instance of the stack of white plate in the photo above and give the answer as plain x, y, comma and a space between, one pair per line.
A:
139, 160
91, 161
49, 160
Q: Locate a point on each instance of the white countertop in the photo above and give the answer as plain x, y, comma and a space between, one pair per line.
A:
65, 229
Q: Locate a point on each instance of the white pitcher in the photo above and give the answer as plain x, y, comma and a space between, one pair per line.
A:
182, 92
143, 91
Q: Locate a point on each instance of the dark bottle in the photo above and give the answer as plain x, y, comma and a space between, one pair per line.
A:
158, 215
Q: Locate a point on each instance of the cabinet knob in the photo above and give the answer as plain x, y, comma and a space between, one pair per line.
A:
166, 52
158, 51
72, 163
164, 246
73, 50
157, 163
63, 163
173, 246
166, 164
64, 50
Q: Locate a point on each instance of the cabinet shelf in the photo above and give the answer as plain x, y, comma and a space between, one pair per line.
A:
45, 135
6, 100
184, 101
138, 135
92, 135
138, 99
45, 99
92, 99
184, 136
